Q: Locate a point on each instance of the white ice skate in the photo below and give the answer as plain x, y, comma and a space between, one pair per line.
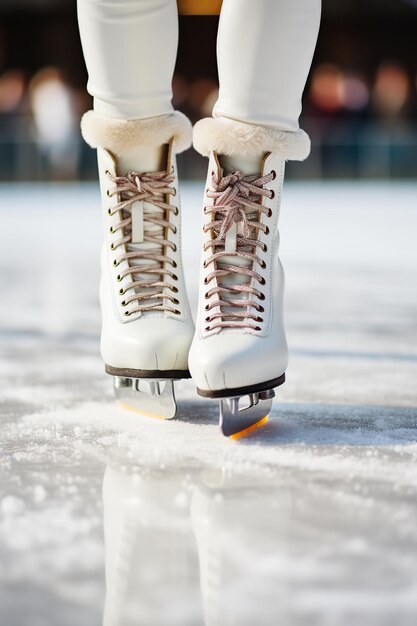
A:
146, 321
239, 353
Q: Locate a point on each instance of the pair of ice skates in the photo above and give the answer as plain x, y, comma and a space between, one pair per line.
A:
237, 352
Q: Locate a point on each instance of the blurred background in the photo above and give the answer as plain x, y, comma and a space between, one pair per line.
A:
359, 103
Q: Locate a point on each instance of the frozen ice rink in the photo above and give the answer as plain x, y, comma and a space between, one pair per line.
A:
312, 521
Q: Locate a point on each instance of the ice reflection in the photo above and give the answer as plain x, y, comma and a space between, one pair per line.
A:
151, 561
187, 547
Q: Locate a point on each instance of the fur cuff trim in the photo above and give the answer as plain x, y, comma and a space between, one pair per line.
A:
122, 136
230, 137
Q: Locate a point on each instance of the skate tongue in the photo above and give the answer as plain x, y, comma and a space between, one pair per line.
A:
145, 159
248, 166
155, 231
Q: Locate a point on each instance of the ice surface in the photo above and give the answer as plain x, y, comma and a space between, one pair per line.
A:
312, 521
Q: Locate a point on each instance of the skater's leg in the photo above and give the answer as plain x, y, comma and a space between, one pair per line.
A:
130, 48
264, 52
239, 349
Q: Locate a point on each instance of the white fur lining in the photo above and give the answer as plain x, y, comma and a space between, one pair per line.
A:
122, 136
230, 137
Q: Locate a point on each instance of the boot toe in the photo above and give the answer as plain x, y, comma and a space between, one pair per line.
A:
228, 362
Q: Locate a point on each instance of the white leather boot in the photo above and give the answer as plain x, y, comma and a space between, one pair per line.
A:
239, 348
146, 321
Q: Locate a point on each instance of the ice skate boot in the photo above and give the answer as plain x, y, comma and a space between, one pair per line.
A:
239, 353
146, 321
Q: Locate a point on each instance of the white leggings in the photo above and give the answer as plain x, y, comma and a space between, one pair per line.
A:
264, 52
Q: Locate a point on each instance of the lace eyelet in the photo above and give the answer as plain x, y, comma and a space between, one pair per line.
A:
273, 194
259, 319
111, 229
267, 230
109, 212
207, 307
175, 192
269, 214
176, 211
118, 278
174, 277
174, 249
175, 301
206, 295
207, 329
123, 302
206, 282
127, 313
174, 264
115, 263
204, 264
265, 247
112, 246
121, 291
258, 328
107, 172
174, 289
262, 281
108, 193
274, 174
174, 230
261, 297
261, 309
176, 312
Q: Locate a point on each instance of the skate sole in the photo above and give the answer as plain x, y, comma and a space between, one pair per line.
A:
242, 391
153, 374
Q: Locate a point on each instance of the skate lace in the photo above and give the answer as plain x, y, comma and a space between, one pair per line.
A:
149, 267
236, 207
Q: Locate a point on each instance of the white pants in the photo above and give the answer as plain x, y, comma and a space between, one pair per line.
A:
264, 52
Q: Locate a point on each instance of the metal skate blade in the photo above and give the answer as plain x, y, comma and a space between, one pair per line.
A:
150, 397
238, 421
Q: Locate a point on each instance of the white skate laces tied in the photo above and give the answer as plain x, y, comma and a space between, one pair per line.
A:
149, 267
236, 211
